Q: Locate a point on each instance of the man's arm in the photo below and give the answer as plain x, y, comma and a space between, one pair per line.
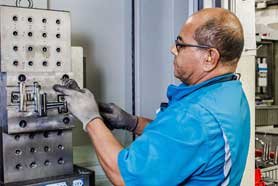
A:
142, 123
107, 149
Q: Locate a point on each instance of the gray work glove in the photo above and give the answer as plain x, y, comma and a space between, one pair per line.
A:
81, 103
116, 118
71, 84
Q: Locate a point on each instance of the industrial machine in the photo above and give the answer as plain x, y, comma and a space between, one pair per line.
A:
36, 127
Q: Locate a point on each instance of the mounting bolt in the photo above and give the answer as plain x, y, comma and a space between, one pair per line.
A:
61, 161
21, 78
22, 123
18, 166
66, 120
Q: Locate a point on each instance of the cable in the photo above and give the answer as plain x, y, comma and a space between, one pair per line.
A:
17, 3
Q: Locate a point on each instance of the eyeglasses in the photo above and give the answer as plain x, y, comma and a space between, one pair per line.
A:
180, 44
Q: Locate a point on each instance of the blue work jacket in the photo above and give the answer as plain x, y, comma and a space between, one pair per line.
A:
201, 138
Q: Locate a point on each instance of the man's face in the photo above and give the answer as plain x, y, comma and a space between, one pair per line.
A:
187, 60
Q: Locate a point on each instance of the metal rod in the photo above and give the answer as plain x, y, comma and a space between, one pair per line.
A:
276, 155
22, 97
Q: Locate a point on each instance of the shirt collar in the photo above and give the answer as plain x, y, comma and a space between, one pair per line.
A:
175, 93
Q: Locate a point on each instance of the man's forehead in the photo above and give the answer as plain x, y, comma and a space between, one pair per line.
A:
187, 30
191, 24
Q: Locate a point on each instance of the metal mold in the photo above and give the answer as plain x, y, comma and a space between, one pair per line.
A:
35, 125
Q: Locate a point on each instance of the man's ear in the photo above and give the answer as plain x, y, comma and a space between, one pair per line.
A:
211, 60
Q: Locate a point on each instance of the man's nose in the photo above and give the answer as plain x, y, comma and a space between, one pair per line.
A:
174, 50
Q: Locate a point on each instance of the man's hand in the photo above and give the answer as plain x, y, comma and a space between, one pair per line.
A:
116, 118
82, 104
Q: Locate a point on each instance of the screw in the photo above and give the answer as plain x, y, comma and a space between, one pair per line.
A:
46, 149
15, 63
44, 20
66, 120
15, 48
30, 34
65, 76
30, 63
21, 77
30, 19
18, 166
44, 49
58, 49
22, 123
15, 33
58, 35
44, 35
61, 161
44, 63
32, 150
17, 137
18, 152
58, 63
47, 163
15, 18
58, 21
33, 165
61, 147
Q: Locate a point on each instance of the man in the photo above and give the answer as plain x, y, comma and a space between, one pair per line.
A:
202, 137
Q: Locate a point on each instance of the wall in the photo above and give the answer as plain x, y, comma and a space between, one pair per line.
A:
246, 68
155, 33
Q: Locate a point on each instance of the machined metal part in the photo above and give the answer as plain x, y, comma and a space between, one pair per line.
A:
265, 152
35, 125
40, 101
276, 155
35, 155
22, 97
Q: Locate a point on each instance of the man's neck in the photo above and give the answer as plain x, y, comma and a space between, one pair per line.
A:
209, 75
